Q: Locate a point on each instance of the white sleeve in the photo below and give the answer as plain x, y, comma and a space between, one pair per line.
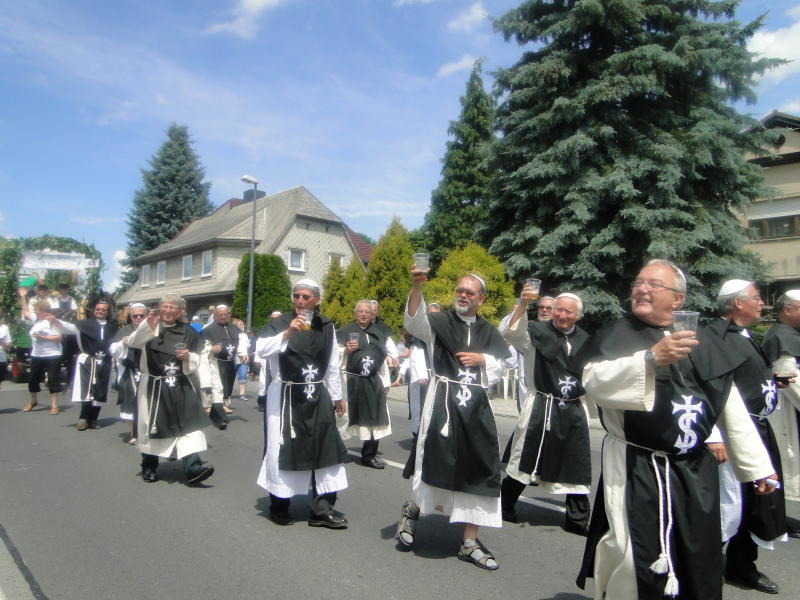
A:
67, 327
493, 368
391, 348
517, 335
419, 369
417, 324
626, 383
748, 456
333, 375
142, 335
269, 346
791, 394
118, 350
244, 342
204, 366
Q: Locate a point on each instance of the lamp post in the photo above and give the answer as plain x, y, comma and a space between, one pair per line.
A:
254, 181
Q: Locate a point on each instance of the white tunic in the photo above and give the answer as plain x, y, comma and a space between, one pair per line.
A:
462, 507
784, 424
275, 480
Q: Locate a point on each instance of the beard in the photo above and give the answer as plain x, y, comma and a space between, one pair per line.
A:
462, 310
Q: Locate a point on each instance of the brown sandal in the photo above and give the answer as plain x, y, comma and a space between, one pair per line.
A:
53, 410
30, 406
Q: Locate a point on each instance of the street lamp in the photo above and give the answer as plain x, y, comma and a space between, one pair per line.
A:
254, 181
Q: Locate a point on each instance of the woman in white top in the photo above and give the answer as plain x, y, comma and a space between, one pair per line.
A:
45, 356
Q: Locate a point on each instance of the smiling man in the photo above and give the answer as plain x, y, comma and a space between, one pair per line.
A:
550, 444
655, 527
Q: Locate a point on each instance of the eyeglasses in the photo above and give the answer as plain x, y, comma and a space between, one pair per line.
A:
652, 286
466, 292
757, 298
138, 316
303, 296
545, 308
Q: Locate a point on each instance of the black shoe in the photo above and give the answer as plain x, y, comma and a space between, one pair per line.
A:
575, 528
760, 583
200, 474
149, 475
373, 463
330, 521
94, 425
280, 518
510, 516
792, 532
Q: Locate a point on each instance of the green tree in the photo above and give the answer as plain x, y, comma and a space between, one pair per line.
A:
353, 289
619, 144
473, 258
9, 278
92, 285
272, 289
457, 203
173, 195
388, 275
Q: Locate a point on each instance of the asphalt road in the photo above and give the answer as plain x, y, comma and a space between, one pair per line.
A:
77, 522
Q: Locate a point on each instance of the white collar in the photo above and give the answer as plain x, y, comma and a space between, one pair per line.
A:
467, 320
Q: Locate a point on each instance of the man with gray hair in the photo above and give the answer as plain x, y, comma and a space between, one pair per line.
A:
544, 308
654, 530
739, 304
782, 347
550, 444
227, 342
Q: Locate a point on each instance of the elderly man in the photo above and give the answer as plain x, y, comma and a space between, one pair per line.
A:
303, 445
457, 469
782, 348
550, 444
170, 411
227, 342
763, 516
655, 525
544, 309
365, 345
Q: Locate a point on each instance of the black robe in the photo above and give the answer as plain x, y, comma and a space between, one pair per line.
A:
95, 372
565, 455
764, 515
175, 407
131, 375
690, 395
781, 339
311, 439
227, 337
366, 396
461, 451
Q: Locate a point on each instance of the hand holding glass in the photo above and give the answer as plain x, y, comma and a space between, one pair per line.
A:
308, 316
530, 291
684, 320
421, 262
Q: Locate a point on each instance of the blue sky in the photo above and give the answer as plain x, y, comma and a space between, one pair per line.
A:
350, 98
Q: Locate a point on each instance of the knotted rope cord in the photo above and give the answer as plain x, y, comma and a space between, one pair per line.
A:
445, 431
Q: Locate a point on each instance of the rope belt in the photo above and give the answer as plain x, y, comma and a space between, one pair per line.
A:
663, 564
445, 431
92, 377
359, 374
287, 398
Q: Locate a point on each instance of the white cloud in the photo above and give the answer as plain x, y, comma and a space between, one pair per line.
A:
793, 107
780, 43
115, 269
96, 220
468, 20
404, 2
245, 18
465, 64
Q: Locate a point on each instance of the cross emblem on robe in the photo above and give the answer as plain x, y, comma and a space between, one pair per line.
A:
688, 416
171, 370
770, 392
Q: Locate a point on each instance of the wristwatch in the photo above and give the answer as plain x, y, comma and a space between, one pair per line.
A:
650, 357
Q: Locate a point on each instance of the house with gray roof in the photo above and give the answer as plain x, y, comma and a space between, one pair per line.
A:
201, 262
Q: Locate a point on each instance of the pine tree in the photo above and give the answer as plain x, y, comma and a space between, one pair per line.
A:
342, 290
388, 274
619, 144
473, 258
173, 195
457, 202
272, 289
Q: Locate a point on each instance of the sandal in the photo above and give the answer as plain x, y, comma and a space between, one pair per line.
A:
30, 406
53, 410
407, 526
478, 554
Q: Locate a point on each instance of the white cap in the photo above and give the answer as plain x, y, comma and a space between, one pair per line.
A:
307, 283
195, 318
793, 295
733, 286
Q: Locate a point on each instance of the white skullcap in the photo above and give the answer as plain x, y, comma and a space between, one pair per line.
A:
307, 283
136, 305
733, 286
195, 318
568, 295
221, 307
793, 295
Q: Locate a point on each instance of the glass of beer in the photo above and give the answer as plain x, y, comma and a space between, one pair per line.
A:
354, 337
180, 346
308, 316
684, 320
534, 284
422, 261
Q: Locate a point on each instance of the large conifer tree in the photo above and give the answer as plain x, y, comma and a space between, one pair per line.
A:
457, 202
389, 273
173, 194
619, 144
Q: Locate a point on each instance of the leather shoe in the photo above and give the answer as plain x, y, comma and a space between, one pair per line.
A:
373, 463
761, 583
82, 425
280, 518
570, 527
149, 475
331, 521
510, 515
792, 532
94, 425
200, 474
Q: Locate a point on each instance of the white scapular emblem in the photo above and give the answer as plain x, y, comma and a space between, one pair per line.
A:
688, 440
230, 348
171, 369
566, 385
770, 395
98, 358
310, 374
464, 394
366, 365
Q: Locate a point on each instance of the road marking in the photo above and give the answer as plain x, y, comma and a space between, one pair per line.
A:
533, 501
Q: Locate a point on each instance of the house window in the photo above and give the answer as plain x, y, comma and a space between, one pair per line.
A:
297, 260
761, 229
161, 272
207, 266
186, 271
145, 278
335, 260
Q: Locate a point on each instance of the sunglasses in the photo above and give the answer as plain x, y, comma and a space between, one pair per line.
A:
138, 316
303, 296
